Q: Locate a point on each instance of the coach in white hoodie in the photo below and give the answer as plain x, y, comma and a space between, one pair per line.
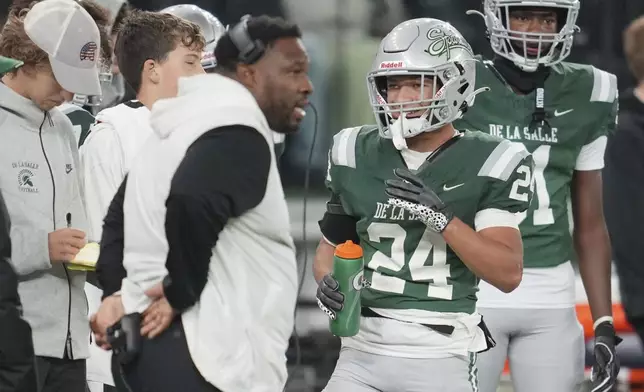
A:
204, 212
39, 179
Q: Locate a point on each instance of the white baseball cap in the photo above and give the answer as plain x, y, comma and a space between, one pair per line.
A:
69, 35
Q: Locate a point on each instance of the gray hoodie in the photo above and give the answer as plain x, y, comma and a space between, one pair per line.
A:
39, 178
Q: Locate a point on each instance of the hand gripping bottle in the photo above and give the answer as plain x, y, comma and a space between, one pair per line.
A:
348, 270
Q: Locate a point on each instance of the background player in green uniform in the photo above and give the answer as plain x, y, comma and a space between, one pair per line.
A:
445, 219
561, 112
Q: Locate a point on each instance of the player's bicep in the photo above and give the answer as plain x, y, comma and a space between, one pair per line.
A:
507, 236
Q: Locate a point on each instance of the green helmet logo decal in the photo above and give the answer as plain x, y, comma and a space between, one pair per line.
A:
442, 43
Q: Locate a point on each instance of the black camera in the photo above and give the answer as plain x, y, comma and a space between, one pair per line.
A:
125, 338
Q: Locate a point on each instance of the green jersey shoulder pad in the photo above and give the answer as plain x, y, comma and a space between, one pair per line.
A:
343, 148
596, 85
503, 156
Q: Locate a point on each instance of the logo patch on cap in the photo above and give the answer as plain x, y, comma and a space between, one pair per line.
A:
88, 52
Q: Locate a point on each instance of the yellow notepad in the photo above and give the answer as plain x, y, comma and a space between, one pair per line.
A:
86, 259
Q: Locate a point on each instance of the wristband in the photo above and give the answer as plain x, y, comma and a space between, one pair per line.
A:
601, 320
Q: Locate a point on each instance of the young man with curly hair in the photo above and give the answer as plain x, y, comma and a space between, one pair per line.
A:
59, 44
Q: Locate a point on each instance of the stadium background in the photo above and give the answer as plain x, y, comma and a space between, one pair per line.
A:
341, 37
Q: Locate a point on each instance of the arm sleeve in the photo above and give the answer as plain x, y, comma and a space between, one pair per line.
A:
30, 248
102, 173
506, 197
223, 175
109, 268
336, 226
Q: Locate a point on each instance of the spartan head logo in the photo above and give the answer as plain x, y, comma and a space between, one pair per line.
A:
442, 42
25, 178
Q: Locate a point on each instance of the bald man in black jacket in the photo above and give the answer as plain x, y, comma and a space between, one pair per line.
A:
17, 367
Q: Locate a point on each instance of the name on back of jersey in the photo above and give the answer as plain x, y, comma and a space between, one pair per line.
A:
515, 132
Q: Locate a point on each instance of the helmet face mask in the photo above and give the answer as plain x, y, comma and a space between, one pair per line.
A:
529, 50
105, 78
427, 112
422, 54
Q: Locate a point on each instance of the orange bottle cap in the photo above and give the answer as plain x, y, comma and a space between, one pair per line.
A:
348, 250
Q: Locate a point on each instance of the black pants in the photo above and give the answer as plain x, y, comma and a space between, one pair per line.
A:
164, 365
61, 375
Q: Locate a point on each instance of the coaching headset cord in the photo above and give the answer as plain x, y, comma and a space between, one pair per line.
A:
305, 251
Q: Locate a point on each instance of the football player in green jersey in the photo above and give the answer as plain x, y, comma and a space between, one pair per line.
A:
434, 211
561, 112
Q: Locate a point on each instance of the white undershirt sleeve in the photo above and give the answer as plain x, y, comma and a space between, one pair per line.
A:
494, 217
591, 156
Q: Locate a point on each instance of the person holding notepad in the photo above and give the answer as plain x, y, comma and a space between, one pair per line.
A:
39, 177
17, 369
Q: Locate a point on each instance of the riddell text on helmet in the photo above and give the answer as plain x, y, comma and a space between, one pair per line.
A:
392, 64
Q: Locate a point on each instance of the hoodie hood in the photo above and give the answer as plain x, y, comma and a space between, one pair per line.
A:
199, 98
20, 106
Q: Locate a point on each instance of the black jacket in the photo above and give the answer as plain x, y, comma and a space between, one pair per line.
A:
17, 368
624, 202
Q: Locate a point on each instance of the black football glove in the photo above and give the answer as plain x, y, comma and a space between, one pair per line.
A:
330, 300
409, 192
606, 367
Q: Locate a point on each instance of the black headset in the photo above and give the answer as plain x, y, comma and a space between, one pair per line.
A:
250, 51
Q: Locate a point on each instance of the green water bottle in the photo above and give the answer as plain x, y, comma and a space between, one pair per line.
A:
348, 270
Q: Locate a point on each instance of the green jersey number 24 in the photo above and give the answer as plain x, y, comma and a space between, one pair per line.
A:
438, 272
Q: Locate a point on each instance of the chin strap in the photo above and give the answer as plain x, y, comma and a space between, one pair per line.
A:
469, 100
539, 116
397, 128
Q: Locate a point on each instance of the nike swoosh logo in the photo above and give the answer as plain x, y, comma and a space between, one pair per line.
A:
449, 188
558, 113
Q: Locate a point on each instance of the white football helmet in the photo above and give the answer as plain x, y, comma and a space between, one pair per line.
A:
211, 28
513, 45
426, 48
105, 79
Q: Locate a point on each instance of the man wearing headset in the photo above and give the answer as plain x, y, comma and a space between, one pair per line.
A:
212, 30
203, 219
